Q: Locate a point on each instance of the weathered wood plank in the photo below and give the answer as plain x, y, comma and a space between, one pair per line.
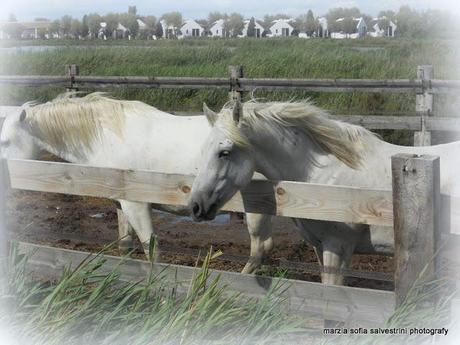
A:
360, 306
413, 123
424, 105
416, 207
291, 199
246, 84
383, 122
34, 80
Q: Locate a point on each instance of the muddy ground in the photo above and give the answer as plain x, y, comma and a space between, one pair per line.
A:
89, 224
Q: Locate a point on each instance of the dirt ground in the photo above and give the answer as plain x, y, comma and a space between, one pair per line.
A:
89, 224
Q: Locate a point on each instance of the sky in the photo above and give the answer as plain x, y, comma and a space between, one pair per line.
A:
53, 9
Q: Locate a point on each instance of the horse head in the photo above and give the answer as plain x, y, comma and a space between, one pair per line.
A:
226, 165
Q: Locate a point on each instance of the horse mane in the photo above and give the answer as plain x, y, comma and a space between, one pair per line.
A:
345, 141
72, 124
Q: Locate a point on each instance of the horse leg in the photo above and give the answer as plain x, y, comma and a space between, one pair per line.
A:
125, 233
139, 215
335, 257
260, 231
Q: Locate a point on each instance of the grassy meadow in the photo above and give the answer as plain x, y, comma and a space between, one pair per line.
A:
271, 58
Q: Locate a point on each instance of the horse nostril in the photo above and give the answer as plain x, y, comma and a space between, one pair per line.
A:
196, 209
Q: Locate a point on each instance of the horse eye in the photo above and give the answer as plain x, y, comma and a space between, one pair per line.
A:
224, 153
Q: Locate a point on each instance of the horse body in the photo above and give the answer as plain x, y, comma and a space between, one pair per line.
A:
100, 131
297, 141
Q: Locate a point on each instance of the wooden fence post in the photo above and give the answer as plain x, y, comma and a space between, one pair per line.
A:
236, 95
416, 210
4, 186
72, 71
424, 104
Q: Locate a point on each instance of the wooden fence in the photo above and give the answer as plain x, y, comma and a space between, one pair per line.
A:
424, 86
415, 223
412, 207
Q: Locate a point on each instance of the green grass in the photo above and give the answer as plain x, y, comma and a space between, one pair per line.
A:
85, 306
89, 306
275, 58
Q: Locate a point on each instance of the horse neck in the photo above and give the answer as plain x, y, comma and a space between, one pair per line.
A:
41, 145
285, 153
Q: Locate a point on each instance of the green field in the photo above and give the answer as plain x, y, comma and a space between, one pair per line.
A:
282, 58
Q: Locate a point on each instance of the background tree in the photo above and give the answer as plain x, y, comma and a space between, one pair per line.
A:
76, 28
410, 23
300, 23
310, 23
340, 12
251, 28
158, 30
150, 25
41, 32
55, 27
234, 25
269, 18
94, 24
129, 21
349, 25
84, 26
111, 20
174, 20
205, 25
132, 10
66, 23
12, 18
13, 29
41, 19
214, 16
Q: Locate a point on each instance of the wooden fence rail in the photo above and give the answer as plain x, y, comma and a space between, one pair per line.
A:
352, 305
290, 199
411, 123
245, 84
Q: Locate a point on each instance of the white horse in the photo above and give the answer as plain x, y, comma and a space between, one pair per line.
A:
299, 142
100, 131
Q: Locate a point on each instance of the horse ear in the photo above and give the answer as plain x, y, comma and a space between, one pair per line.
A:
23, 115
210, 115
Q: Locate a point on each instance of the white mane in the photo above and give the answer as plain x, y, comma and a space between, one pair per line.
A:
345, 141
71, 124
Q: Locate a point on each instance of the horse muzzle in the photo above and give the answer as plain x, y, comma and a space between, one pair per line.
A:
201, 213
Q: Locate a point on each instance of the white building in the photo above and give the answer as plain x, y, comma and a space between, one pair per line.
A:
101, 32
191, 29
381, 32
142, 25
217, 28
322, 30
168, 30
121, 32
281, 28
258, 30
360, 29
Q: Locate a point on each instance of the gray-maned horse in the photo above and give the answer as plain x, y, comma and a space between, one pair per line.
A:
101, 131
299, 142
